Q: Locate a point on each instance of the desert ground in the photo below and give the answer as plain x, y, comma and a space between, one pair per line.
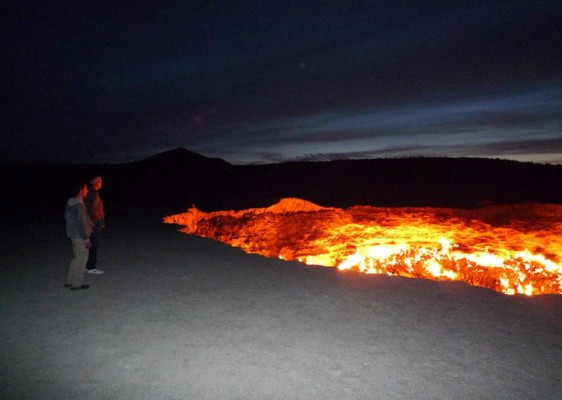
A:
177, 316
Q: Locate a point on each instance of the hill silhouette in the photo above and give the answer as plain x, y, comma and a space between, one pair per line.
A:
179, 178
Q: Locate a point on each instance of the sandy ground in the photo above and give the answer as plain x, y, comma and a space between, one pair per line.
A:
182, 317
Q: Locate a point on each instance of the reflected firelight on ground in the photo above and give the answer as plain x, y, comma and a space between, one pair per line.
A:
512, 249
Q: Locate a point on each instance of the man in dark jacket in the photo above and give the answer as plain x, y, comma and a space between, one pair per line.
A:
94, 204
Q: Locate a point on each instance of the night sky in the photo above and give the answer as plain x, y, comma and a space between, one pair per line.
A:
274, 81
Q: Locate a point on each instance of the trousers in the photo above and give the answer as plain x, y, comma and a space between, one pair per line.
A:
95, 239
75, 277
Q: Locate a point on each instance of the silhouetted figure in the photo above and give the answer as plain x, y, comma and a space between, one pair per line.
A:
78, 230
94, 205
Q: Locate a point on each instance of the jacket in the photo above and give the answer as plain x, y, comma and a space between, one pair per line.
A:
78, 222
94, 204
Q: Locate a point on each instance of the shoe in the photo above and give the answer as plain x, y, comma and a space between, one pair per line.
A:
95, 271
67, 285
80, 287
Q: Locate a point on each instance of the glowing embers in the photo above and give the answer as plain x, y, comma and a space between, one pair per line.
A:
522, 273
508, 248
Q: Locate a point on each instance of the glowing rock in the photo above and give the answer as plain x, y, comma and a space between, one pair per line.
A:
507, 248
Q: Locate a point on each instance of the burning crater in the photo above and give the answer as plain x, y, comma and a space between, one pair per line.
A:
508, 248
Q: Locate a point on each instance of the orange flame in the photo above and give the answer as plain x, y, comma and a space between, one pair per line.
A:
510, 248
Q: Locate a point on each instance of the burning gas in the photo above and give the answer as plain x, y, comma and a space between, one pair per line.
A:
508, 248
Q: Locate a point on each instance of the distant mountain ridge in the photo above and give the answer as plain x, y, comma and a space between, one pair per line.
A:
179, 178
180, 155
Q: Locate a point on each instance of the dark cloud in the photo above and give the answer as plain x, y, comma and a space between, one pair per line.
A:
531, 146
270, 81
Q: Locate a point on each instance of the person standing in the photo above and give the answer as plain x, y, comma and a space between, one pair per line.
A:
78, 230
94, 204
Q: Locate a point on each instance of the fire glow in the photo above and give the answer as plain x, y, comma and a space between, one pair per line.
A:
512, 249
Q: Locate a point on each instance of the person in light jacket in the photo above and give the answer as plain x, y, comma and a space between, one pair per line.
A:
78, 230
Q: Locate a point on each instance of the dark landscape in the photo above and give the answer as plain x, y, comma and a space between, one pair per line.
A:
179, 316
304, 200
180, 178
